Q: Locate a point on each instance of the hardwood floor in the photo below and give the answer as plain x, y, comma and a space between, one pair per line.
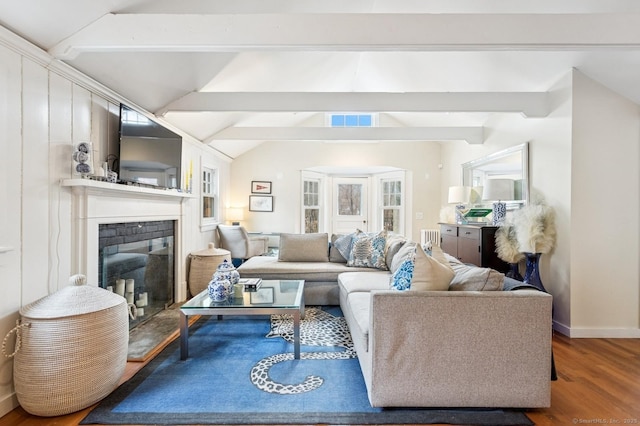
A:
598, 383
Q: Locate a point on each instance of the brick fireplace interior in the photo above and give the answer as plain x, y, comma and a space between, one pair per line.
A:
136, 260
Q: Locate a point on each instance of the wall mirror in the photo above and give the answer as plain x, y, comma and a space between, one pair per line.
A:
511, 163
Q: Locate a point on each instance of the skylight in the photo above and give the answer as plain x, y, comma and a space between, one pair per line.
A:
351, 120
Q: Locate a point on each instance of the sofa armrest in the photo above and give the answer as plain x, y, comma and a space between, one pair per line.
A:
258, 246
464, 349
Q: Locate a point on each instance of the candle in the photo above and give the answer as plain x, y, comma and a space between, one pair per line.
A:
129, 297
110, 288
130, 284
139, 312
120, 287
237, 290
143, 300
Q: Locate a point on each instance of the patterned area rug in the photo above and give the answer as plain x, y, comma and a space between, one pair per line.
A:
234, 375
319, 328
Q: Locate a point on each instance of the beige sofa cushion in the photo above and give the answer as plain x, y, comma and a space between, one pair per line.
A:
429, 273
270, 268
363, 282
304, 247
360, 306
474, 278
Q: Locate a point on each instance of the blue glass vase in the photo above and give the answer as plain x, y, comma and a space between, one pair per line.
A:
514, 272
532, 273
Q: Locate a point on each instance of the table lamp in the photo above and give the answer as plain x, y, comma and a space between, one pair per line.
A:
498, 190
459, 195
235, 215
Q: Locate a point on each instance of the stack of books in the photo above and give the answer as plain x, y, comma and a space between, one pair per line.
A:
251, 284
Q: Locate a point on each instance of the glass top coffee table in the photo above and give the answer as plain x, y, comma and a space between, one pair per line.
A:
272, 297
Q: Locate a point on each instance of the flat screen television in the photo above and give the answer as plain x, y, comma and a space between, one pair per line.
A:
150, 154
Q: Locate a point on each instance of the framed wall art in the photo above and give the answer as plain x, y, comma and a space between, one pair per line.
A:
260, 203
260, 187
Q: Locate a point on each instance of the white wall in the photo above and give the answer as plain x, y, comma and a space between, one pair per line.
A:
605, 215
44, 110
282, 162
584, 158
549, 173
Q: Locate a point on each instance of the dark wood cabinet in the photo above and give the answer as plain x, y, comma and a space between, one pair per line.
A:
472, 244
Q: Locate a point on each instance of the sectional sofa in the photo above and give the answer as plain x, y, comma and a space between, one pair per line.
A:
428, 330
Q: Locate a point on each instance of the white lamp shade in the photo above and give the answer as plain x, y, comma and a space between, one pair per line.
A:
475, 194
498, 190
235, 214
458, 194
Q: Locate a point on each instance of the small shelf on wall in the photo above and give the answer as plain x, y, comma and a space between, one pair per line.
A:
100, 186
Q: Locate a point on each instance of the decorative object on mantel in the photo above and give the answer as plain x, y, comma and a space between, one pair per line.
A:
83, 164
535, 230
188, 178
71, 349
498, 191
507, 250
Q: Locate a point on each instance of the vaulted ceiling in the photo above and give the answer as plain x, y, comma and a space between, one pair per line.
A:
237, 73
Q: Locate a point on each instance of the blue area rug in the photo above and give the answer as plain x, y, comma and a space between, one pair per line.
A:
235, 374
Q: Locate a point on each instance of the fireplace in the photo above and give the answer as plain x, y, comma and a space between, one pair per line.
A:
136, 260
144, 226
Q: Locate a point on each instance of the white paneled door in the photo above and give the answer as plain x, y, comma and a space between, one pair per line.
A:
350, 205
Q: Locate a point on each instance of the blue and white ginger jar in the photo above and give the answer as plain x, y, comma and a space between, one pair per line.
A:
221, 285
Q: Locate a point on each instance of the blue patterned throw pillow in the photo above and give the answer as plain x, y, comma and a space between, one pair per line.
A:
401, 278
367, 250
343, 244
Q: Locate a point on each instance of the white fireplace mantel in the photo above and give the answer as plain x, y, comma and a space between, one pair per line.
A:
96, 202
107, 187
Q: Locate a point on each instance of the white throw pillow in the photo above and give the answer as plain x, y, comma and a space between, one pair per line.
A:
429, 273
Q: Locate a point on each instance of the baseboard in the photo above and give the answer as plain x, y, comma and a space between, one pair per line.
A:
596, 333
8, 404
561, 328
605, 333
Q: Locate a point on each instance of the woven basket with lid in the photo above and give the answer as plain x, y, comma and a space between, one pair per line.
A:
203, 266
71, 349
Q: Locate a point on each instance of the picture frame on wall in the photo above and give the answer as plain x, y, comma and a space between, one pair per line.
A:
260, 203
260, 187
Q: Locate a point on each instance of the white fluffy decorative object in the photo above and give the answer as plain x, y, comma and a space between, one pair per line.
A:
535, 227
507, 246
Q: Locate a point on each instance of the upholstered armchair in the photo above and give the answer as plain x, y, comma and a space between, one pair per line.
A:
236, 239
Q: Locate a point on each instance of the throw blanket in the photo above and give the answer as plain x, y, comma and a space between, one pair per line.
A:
474, 278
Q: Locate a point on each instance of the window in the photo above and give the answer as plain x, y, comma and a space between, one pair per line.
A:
391, 208
349, 199
351, 120
311, 205
209, 194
